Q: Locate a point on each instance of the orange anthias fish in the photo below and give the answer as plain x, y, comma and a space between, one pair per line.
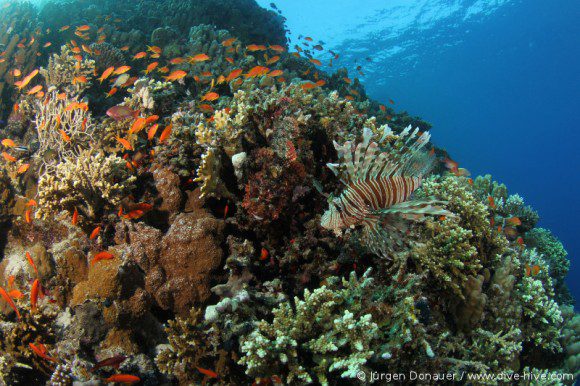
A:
24, 82
152, 131
75, 217
491, 202
34, 295
210, 96
64, 135
155, 49
234, 74
80, 79
121, 70
9, 300
8, 142
123, 378
229, 42
140, 55
177, 61
151, 67
31, 262
264, 254
104, 255
137, 126
125, 143
256, 47
34, 90
176, 75
95, 233
8, 157
277, 48
257, 71
28, 216
42, 352
23, 168
514, 221
106, 73
275, 73
209, 373
165, 133
198, 58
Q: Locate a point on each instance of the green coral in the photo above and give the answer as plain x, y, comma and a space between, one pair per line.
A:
555, 256
571, 341
542, 316
329, 326
472, 214
447, 254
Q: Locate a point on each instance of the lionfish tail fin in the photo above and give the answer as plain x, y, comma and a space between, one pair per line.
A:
402, 157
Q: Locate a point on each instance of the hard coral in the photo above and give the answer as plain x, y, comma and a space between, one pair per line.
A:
91, 183
64, 71
329, 326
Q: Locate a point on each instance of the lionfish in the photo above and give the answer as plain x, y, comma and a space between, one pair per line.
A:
378, 185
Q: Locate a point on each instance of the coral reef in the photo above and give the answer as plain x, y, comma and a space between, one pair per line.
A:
329, 325
89, 183
184, 201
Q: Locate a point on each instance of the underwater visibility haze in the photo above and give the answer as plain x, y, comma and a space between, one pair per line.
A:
248, 192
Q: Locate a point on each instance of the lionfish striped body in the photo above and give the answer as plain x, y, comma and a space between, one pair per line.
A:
379, 183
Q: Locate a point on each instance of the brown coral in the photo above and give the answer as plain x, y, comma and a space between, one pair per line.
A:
181, 265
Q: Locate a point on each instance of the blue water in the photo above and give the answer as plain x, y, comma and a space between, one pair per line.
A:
499, 81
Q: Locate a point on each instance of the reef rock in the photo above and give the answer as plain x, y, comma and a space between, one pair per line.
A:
181, 264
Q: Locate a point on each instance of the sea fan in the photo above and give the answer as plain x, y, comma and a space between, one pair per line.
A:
379, 183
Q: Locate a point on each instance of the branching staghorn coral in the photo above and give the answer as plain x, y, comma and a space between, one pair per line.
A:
89, 182
447, 255
505, 206
189, 346
554, 255
542, 316
472, 215
68, 74
33, 327
329, 325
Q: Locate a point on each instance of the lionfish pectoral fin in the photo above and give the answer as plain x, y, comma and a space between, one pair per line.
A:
417, 209
376, 240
